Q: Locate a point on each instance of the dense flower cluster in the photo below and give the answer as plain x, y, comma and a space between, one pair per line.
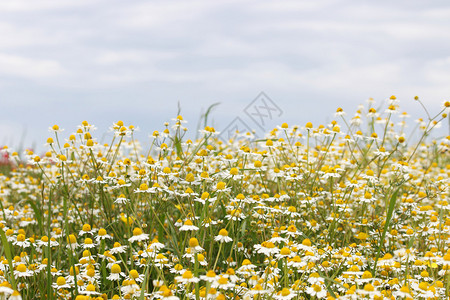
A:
304, 213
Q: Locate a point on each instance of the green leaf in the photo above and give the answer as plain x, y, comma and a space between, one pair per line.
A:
38, 214
391, 207
327, 284
7, 248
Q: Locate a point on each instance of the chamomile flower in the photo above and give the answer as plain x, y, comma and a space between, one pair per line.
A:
368, 290
116, 273
317, 290
205, 197
102, 235
118, 248
187, 277
5, 289
138, 236
194, 245
208, 222
209, 277
165, 293
404, 292
223, 237
122, 199
90, 290
222, 283
257, 289
285, 294
21, 241
188, 226
284, 253
55, 128
267, 248
136, 276
86, 230
22, 271
161, 260
306, 245
155, 245
130, 288
88, 243
61, 283
72, 242
15, 296
201, 260
221, 187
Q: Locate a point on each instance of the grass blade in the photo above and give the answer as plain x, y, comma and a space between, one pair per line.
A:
392, 203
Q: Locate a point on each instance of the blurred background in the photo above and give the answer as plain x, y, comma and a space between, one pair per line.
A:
62, 62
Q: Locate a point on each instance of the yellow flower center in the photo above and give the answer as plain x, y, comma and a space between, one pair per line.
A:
269, 245
223, 280
404, 289
193, 242
187, 275
60, 281
90, 288
306, 242
90, 272
423, 286
369, 288
71, 239
220, 185
285, 292
137, 231
234, 171
86, 227
190, 177
134, 274
285, 251
115, 269
21, 268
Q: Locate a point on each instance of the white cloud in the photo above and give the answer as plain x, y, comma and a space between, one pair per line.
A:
11, 132
106, 52
24, 67
156, 14
220, 46
438, 71
13, 36
132, 57
42, 5
289, 6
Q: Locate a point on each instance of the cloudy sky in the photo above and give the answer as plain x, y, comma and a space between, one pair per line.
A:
62, 62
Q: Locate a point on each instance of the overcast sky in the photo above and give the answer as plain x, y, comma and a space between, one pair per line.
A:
62, 62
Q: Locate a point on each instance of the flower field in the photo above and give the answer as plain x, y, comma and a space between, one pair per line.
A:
354, 209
